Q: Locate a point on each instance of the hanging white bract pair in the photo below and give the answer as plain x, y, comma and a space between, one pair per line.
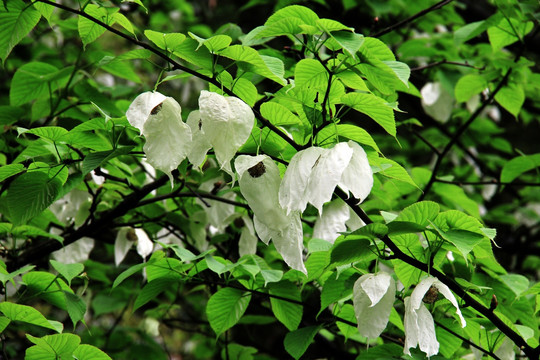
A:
373, 299
223, 123
311, 177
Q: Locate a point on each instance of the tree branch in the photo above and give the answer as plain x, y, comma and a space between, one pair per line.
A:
397, 25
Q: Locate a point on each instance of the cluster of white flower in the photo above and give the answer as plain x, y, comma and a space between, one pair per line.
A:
224, 124
373, 299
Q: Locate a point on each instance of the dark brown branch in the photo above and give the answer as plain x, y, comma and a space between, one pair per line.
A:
489, 182
397, 25
92, 229
443, 62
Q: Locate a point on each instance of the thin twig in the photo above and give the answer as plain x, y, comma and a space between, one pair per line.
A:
489, 182
397, 25
443, 62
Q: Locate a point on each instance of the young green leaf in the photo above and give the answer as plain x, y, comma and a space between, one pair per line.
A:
26, 314
225, 308
297, 342
30, 194
17, 21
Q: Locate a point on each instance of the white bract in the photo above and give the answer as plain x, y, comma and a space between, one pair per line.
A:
200, 145
437, 102
259, 180
126, 238
168, 138
247, 245
419, 324
225, 123
332, 221
373, 299
314, 173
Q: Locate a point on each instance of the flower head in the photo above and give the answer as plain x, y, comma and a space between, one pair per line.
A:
259, 180
314, 173
373, 299
419, 324
168, 138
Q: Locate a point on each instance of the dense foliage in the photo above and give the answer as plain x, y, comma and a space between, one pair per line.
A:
384, 152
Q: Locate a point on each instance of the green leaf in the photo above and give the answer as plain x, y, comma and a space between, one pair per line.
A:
310, 72
296, 342
152, 289
89, 31
507, 32
349, 41
53, 133
329, 25
124, 22
519, 165
350, 251
351, 132
9, 276
395, 171
89, 352
165, 41
316, 264
335, 289
138, 2
517, 283
468, 86
469, 31
53, 347
94, 160
374, 48
30, 194
17, 21
29, 83
26, 314
75, 306
7, 171
288, 20
289, 313
4, 322
271, 276
402, 71
252, 62
225, 308
127, 273
245, 90
45, 10
511, 98
278, 115
214, 43
46, 286
68, 271
420, 213
374, 107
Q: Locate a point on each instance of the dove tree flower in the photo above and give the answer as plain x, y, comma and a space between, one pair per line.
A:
224, 123
259, 180
373, 299
126, 238
168, 138
314, 173
419, 324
